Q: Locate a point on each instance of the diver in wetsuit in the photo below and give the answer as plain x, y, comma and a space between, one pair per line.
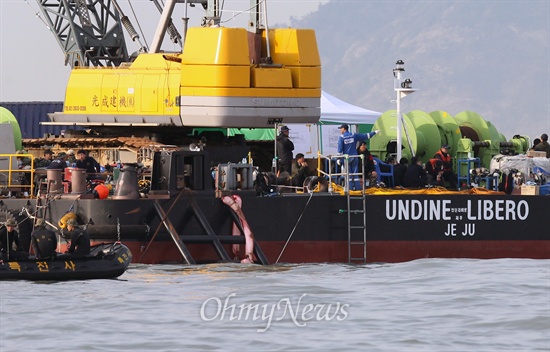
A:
10, 245
43, 241
80, 240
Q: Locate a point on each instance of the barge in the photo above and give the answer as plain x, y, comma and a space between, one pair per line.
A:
174, 199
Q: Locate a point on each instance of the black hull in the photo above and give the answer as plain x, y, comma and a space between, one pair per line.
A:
399, 227
112, 263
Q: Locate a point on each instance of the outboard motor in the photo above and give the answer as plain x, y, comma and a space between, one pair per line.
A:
127, 183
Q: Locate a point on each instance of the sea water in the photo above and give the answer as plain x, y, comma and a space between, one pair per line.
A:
422, 305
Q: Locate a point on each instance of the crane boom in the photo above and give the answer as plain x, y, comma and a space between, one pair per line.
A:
89, 32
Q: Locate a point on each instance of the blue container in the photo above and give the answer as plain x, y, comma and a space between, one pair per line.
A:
30, 114
544, 189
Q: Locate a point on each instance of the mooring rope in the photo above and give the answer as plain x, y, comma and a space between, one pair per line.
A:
294, 229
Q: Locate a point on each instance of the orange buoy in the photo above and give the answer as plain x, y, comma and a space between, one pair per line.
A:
101, 191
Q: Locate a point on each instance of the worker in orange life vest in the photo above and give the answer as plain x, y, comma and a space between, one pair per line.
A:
434, 170
448, 174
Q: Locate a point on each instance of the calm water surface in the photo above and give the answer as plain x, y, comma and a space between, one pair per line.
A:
423, 305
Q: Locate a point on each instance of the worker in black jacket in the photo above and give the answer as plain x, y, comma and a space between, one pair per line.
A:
43, 241
80, 240
10, 245
284, 151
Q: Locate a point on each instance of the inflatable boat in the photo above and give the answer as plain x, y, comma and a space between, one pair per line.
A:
106, 261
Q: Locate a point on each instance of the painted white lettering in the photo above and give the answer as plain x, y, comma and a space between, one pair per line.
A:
425, 211
488, 210
416, 209
434, 210
523, 210
499, 208
510, 210
437, 209
390, 209
403, 209
446, 210
469, 229
469, 213
451, 230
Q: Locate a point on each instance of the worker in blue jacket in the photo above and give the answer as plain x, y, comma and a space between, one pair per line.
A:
347, 144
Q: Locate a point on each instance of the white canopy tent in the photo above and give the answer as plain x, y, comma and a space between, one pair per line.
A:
308, 139
334, 110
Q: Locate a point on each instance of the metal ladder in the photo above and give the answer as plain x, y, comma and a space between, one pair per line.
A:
355, 207
40, 208
357, 220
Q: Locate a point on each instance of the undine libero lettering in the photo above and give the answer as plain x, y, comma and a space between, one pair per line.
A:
443, 209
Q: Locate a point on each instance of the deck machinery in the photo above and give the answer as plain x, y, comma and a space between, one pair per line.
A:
467, 133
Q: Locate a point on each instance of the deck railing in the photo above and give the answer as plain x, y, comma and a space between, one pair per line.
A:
12, 177
337, 169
